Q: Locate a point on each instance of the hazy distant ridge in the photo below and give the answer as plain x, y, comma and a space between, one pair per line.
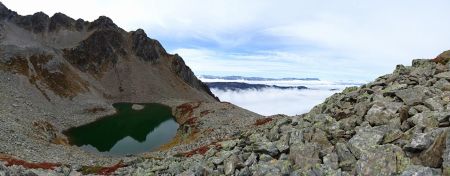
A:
236, 86
255, 78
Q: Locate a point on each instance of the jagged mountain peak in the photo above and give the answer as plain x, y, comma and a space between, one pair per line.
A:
5, 11
99, 49
103, 22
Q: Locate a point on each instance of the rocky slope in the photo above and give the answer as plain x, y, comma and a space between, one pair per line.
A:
57, 72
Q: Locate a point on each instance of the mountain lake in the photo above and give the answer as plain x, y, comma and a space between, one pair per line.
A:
129, 131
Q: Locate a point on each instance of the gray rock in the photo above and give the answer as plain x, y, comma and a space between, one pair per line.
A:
446, 156
283, 144
283, 156
415, 170
251, 159
265, 158
265, 148
264, 169
382, 160
378, 114
412, 96
434, 104
419, 142
443, 75
283, 121
274, 134
284, 166
346, 159
228, 145
392, 135
425, 119
221, 169
363, 140
432, 156
296, 137
187, 173
244, 172
231, 164
304, 156
331, 160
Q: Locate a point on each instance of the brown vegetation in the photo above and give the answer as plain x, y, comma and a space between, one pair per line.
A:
95, 110
443, 58
201, 150
262, 121
99, 170
10, 161
185, 111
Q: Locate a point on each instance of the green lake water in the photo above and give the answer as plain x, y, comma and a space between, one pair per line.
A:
126, 132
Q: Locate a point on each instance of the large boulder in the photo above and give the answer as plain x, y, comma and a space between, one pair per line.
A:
364, 140
382, 112
346, 159
412, 96
382, 160
305, 156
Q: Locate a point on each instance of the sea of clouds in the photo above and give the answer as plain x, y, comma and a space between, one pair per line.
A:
270, 101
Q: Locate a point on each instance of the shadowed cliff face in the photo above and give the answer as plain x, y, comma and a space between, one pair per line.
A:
117, 64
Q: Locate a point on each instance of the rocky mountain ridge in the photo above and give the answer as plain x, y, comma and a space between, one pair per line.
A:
99, 50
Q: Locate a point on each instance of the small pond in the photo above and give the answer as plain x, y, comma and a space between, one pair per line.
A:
128, 131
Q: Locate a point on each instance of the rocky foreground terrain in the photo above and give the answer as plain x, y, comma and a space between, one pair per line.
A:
57, 73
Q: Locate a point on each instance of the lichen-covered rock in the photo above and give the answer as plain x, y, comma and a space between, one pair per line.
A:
231, 164
268, 148
382, 160
446, 156
432, 155
305, 156
392, 136
444, 75
414, 170
381, 113
419, 142
434, 104
346, 159
412, 96
363, 140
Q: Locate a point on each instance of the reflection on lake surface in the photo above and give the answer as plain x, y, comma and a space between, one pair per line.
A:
127, 132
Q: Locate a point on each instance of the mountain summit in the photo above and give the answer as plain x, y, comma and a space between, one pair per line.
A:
64, 58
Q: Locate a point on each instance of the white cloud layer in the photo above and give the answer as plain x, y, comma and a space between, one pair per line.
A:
345, 39
275, 101
270, 101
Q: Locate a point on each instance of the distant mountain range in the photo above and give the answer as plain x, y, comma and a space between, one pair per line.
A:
255, 78
236, 86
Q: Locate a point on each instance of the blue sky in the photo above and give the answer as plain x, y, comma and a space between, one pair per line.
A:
332, 40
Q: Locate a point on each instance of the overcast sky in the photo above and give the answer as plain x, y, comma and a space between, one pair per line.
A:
332, 40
